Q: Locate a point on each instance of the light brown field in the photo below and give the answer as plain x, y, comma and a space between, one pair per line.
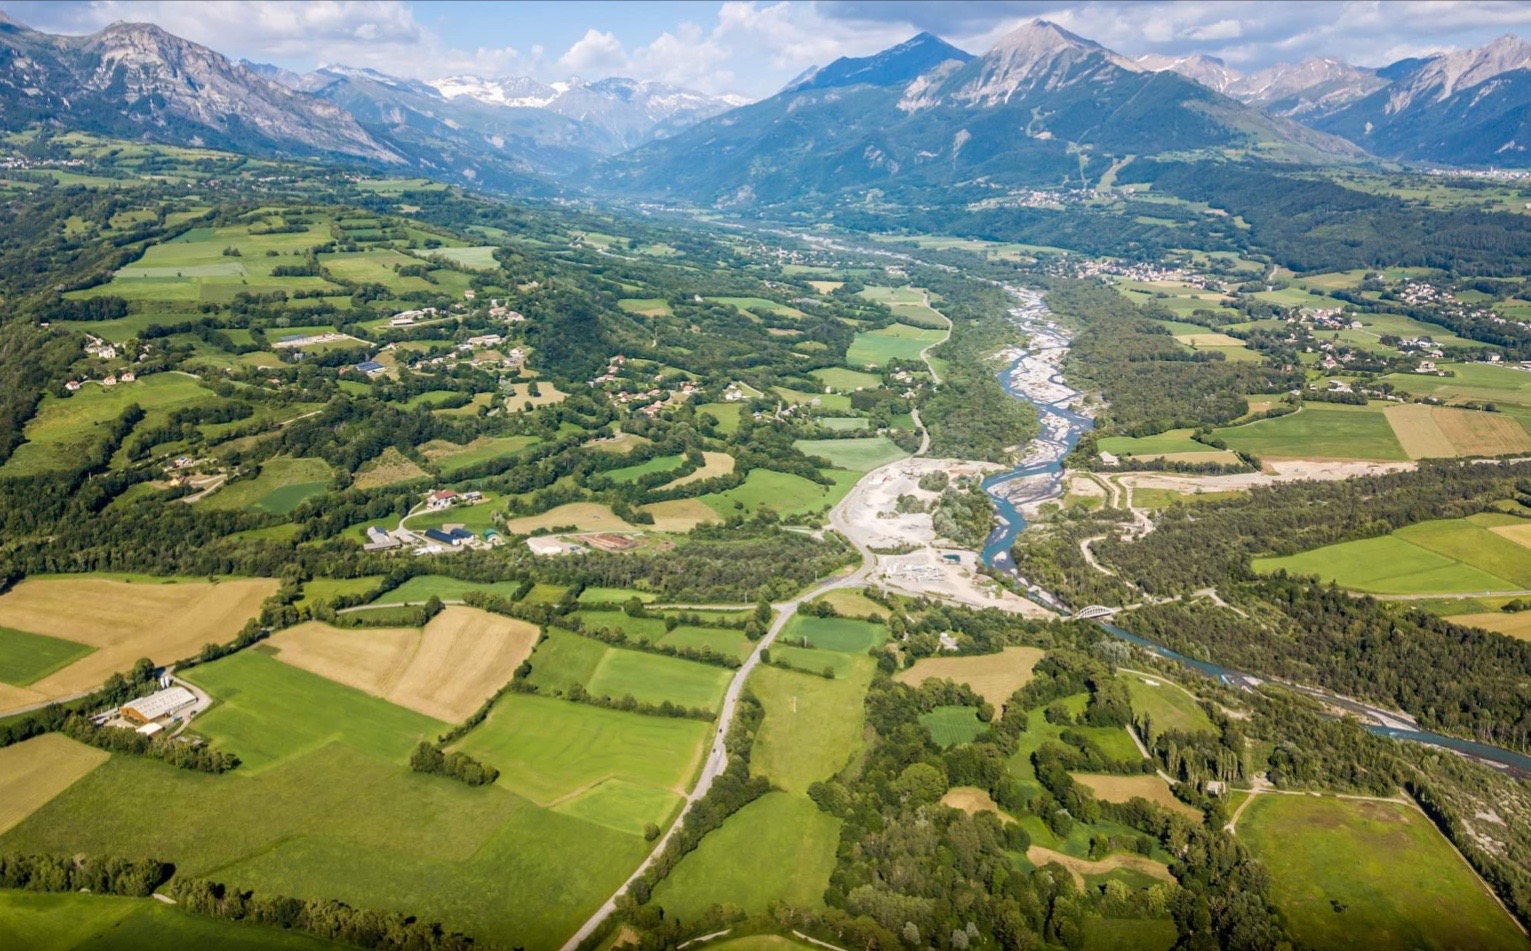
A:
34, 771
826, 287
1519, 534
993, 677
446, 671
469, 408
1223, 456
680, 515
1079, 868
123, 621
584, 516
392, 466
972, 800
1113, 788
714, 464
1440, 432
1516, 625
1209, 340
547, 394
622, 443
852, 603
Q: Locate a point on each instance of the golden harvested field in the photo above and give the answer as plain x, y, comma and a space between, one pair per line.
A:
1440, 432
622, 443
392, 466
446, 671
521, 398
826, 287
850, 602
1079, 868
123, 621
1516, 625
584, 516
680, 515
1113, 788
34, 771
716, 464
992, 676
1209, 340
1519, 534
972, 800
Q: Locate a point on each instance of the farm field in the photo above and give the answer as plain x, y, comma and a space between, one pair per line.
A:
550, 750
851, 602
727, 415
325, 589
583, 516
714, 464
1166, 704
846, 380
25, 657
812, 726
1437, 432
420, 589
33, 771
953, 724
566, 659
64, 430
519, 397
833, 633
1330, 432
392, 466
646, 306
480, 257
283, 484
992, 676
791, 848
1347, 873
65, 922
1454, 556
680, 515
1173, 441
450, 458
1111, 787
1516, 625
783, 492
447, 670
842, 424
862, 454
747, 304
123, 621
716, 639
654, 466
1469, 381
895, 342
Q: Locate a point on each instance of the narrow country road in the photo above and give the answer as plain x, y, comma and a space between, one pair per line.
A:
717, 756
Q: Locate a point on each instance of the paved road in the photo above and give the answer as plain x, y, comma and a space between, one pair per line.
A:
717, 755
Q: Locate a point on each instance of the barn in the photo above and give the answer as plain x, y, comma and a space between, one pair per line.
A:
156, 705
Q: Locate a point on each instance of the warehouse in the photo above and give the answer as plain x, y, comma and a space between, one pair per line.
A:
156, 705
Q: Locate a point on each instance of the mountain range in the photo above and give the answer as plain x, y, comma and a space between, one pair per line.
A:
1042, 107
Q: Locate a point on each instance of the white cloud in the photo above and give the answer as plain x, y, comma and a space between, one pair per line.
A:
595, 51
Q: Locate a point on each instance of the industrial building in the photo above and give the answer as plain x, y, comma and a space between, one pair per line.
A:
156, 705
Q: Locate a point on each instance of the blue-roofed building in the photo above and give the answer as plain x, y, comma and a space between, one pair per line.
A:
460, 533
370, 367
437, 535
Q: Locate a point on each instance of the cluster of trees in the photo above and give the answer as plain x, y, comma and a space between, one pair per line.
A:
98, 875
428, 758
180, 753
964, 514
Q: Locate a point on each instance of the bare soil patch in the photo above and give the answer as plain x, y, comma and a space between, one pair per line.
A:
446, 670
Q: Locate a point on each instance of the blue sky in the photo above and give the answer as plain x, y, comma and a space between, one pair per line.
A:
752, 47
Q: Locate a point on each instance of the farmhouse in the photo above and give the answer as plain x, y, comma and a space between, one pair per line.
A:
441, 500
157, 705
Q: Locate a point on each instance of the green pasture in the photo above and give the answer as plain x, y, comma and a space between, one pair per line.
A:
564, 659
1349, 873
376, 267
846, 380
1442, 556
841, 424
121, 329
654, 466
421, 588
73, 922
650, 628
1294, 297
812, 726
829, 402
1469, 381
599, 595
646, 306
1319, 432
480, 257
790, 848
1112, 741
782, 492
815, 662
833, 633
26, 658
727, 415
655, 678
64, 430
716, 639
1166, 704
327, 589
758, 303
548, 749
282, 485
1169, 441
1163, 498
481, 450
859, 455
1129, 934
951, 725
894, 342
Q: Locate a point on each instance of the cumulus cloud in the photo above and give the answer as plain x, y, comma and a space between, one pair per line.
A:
596, 50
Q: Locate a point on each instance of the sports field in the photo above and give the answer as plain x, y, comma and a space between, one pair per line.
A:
1166, 704
950, 725
460, 659
1450, 556
122, 621
894, 342
551, 750
25, 657
833, 633
1111, 787
862, 454
64, 922
282, 486
992, 676
34, 771
812, 726
1327, 432
1349, 873
791, 847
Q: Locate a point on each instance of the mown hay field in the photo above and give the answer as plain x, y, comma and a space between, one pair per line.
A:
812, 726
34, 771
992, 676
447, 670
1111, 787
1440, 432
123, 621
714, 464
583, 516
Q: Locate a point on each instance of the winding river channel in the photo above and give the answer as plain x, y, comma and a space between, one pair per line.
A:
1035, 375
